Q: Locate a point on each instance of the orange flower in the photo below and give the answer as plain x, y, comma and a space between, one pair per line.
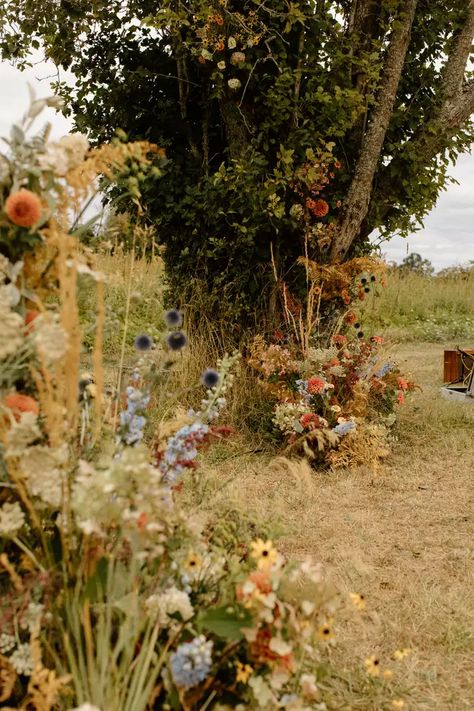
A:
315, 385
377, 339
19, 403
321, 208
220, 46
219, 20
350, 318
402, 384
23, 208
310, 204
309, 419
345, 297
262, 580
400, 398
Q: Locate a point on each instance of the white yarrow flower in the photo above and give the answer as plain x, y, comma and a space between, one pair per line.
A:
165, 604
12, 519
234, 84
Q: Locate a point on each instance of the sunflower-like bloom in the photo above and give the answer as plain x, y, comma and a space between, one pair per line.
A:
23, 208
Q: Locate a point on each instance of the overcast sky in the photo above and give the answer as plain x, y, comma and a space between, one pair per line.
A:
448, 237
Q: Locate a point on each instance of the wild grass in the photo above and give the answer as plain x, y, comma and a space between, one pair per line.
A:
413, 307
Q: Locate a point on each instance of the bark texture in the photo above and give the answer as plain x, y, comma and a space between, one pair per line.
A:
358, 198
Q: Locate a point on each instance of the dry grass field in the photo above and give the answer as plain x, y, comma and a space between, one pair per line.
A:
404, 537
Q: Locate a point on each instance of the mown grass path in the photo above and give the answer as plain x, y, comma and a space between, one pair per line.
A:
404, 538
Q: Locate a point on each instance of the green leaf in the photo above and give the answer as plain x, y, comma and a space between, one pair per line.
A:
226, 622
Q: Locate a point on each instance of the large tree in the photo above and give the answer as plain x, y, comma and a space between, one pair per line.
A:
291, 127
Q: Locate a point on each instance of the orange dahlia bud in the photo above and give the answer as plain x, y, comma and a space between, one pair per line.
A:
321, 208
23, 208
310, 204
19, 403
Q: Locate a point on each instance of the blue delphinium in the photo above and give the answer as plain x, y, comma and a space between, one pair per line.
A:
131, 420
192, 662
302, 387
344, 428
181, 450
386, 368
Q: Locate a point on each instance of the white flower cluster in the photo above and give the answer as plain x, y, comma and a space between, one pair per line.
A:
32, 617
11, 332
44, 472
168, 603
287, 415
21, 434
21, 660
7, 643
49, 337
129, 490
12, 519
62, 156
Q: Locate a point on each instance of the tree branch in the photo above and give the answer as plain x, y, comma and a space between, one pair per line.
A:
455, 108
452, 75
358, 198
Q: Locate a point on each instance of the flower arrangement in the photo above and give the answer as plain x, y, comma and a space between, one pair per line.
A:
333, 404
112, 598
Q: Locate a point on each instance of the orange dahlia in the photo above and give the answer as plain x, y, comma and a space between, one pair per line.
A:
19, 403
321, 208
23, 208
315, 385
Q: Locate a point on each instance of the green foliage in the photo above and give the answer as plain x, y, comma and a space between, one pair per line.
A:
238, 92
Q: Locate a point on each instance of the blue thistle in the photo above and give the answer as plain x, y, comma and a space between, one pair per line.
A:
210, 378
143, 342
173, 318
176, 340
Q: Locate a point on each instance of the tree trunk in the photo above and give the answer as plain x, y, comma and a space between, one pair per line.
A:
358, 198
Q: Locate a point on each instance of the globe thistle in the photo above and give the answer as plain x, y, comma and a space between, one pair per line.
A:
210, 378
143, 342
176, 341
173, 318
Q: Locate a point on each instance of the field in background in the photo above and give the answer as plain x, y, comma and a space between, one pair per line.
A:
423, 308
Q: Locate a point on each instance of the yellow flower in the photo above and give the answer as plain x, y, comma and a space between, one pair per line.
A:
398, 704
244, 672
326, 632
372, 665
193, 562
357, 600
400, 654
264, 553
